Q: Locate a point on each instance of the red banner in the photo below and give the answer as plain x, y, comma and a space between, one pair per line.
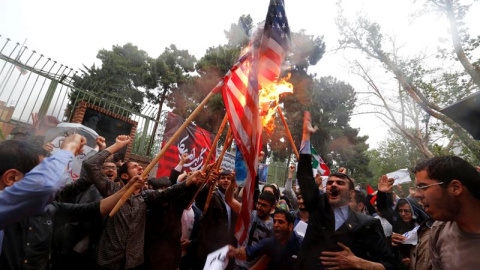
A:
193, 140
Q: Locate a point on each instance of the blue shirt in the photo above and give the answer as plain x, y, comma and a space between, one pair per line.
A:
281, 257
34, 191
341, 214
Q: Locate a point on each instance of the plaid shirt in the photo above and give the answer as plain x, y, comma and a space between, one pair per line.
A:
122, 242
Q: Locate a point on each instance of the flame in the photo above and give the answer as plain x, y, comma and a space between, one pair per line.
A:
269, 100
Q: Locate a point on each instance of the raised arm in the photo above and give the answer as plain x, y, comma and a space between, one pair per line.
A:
175, 173
68, 212
305, 177
160, 197
235, 205
384, 201
289, 188
37, 188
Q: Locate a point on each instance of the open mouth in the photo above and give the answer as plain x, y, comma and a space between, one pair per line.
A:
334, 192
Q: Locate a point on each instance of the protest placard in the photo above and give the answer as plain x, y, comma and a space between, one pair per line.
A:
401, 176
217, 260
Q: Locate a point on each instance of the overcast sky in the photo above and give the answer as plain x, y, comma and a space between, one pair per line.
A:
72, 32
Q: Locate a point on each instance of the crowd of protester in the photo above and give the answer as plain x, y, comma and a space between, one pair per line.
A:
167, 224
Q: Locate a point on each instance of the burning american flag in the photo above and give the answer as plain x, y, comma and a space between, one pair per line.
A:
257, 69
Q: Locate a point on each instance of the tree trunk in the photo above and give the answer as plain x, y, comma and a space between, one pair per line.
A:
432, 108
157, 120
473, 71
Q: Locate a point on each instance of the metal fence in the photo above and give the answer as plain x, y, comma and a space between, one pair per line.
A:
33, 83
277, 173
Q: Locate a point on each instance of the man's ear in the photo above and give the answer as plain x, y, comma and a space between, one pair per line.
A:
124, 176
290, 227
11, 176
456, 187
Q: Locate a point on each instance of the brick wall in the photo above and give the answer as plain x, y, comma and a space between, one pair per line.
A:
79, 113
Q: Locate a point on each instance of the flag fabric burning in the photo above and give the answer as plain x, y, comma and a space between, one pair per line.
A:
261, 66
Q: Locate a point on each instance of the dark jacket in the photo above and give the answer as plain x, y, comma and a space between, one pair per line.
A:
214, 228
281, 257
163, 230
361, 233
27, 243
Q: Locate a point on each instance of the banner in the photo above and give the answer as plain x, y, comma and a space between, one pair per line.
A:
228, 161
193, 140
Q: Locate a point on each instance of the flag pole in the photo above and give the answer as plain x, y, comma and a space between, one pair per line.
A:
288, 132
174, 137
228, 142
207, 160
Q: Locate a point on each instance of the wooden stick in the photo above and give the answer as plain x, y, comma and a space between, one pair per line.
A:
207, 161
174, 137
288, 132
228, 142
214, 144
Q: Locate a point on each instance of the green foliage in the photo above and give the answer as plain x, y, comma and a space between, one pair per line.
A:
393, 154
123, 72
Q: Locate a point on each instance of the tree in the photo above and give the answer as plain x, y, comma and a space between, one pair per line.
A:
366, 36
169, 71
400, 113
122, 74
392, 154
332, 105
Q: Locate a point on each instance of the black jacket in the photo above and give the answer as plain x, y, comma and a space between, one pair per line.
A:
27, 243
361, 233
214, 228
163, 230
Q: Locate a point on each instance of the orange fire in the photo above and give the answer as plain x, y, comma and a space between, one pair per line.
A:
269, 99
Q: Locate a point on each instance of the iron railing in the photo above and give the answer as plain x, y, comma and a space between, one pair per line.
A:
33, 83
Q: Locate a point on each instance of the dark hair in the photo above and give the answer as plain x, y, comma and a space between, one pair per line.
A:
123, 169
117, 157
402, 202
275, 190
267, 196
226, 172
360, 197
343, 176
20, 155
159, 183
288, 216
447, 168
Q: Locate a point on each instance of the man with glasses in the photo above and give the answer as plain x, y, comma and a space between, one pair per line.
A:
109, 169
449, 189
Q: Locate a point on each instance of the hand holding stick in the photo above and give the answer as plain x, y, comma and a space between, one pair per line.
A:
218, 163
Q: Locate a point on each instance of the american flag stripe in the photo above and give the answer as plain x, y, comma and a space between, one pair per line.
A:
240, 92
